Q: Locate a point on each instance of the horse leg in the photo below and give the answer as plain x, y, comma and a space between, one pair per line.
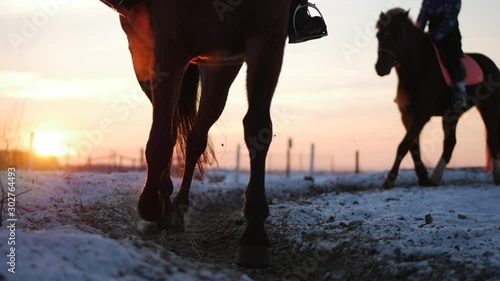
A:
264, 59
491, 120
159, 150
420, 169
450, 139
409, 139
493, 145
154, 200
216, 82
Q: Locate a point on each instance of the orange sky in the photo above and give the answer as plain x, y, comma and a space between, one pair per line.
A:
68, 63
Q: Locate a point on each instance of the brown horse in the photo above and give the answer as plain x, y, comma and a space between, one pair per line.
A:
422, 93
174, 46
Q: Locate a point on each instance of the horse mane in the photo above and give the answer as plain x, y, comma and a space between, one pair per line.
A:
399, 14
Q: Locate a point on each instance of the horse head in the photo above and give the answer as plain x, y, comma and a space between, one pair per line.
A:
392, 33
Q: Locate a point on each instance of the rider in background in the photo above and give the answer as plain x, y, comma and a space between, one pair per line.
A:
442, 16
305, 27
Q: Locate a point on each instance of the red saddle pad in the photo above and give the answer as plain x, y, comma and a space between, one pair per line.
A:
474, 72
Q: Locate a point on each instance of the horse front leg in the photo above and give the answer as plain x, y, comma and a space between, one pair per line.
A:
154, 201
215, 82
408, 141
264, 60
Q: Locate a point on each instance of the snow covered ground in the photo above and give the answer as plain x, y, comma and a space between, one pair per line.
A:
83, 226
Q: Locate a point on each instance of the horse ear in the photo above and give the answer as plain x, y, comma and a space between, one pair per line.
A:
382, 15
407, 13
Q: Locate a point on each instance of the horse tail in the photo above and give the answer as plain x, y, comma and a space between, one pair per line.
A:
184, 117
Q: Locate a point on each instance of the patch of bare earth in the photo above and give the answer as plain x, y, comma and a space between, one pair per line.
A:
212, 233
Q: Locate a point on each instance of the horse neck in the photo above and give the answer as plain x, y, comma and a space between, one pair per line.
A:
418, 59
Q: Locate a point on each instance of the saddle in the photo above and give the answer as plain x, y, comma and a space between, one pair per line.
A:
474, 72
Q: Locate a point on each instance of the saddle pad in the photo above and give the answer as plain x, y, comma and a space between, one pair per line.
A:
474, 72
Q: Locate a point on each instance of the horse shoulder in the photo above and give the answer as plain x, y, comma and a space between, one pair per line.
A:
137, 27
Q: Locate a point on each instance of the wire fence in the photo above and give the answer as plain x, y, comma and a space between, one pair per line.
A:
238, 159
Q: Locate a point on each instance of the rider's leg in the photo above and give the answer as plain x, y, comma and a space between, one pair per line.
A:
450, 48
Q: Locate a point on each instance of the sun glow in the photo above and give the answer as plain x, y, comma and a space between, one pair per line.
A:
51, 143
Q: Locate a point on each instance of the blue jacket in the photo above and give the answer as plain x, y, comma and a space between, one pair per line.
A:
445, 10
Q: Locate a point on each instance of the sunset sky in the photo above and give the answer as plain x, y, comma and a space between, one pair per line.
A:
70, 67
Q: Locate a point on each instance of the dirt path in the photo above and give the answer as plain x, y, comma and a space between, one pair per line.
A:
215, 223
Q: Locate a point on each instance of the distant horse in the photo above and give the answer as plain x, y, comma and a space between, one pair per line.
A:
175, 45
422, 93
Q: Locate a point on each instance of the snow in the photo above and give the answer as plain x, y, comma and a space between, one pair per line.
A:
68, 254
408, 226
465, 225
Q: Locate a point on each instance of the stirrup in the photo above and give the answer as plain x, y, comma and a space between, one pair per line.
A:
293, 37
115, 5
459, 100
458, 103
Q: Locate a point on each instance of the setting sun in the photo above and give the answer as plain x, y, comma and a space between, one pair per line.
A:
49, 143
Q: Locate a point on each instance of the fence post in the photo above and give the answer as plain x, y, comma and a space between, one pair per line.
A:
31, 154
311, 171
68, 145
357, 162
301, 162
269, 165
288, 156
141, 159
237, 170
332, 170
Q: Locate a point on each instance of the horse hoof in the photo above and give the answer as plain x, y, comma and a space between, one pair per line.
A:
388, 184
253, 256
171, 223
150, 208
148, 229
427, 183
496, 178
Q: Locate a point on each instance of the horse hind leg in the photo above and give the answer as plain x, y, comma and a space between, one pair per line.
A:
494, 147
492, 140
449, 127
491, 117
216, 82
494, 143
420, 169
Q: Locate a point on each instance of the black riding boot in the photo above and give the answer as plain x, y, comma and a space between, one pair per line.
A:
459, 98
303, 27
